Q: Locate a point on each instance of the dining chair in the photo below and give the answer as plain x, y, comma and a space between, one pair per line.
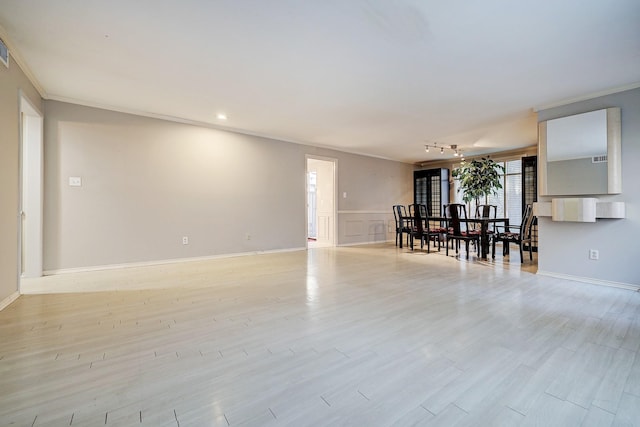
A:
423, 211
403, 223
394, 208
421, 228
488, 211
462, 213
520, 237
454, 212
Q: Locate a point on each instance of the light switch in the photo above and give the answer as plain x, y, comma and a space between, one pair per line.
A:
75, 181
344, 195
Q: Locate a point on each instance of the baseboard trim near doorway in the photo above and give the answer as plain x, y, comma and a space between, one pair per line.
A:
590, 280
8, 300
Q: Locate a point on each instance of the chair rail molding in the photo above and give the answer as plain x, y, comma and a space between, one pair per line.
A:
364, 212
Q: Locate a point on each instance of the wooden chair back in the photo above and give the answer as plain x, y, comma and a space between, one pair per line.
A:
487, 211
527, 223
455, 212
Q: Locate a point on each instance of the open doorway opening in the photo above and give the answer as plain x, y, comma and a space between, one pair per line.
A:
31, 193
321, 202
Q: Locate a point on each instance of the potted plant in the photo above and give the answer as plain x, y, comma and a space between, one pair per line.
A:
478, 178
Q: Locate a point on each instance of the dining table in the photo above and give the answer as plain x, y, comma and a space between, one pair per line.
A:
484, 228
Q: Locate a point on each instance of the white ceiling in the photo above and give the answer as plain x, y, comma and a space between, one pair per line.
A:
377, 77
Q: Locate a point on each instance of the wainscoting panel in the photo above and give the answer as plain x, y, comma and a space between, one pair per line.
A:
377, 229
362, 227
354, 228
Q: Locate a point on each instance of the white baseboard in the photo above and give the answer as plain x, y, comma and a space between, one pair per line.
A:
344, 245
590, 280
8, 300
163, 262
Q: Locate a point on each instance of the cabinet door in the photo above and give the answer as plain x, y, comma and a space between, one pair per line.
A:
431, 188
444, 192
420, 188
530, 191
529, 180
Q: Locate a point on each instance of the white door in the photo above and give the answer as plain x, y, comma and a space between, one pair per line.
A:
31, 213
324, 206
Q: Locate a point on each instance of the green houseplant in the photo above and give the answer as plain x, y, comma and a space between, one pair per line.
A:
478, 179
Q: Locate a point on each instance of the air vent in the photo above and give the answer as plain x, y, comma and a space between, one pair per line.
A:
599, 159
4, 54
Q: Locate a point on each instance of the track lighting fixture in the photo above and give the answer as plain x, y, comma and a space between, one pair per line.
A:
456, 152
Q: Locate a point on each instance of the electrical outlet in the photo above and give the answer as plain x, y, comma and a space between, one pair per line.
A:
594, 254
185, 240
247, 236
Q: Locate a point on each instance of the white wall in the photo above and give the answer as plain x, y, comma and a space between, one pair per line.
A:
372, 187
146, 183
564, 247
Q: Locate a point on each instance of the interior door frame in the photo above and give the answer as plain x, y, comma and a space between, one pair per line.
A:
334, 226
31, 213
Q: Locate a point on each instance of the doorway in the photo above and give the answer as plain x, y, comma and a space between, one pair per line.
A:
31, 193
321, 202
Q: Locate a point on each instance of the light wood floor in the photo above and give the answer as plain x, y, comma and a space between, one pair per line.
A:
359, 336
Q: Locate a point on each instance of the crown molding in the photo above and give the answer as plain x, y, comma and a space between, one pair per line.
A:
587, 97
176, 119
19, 60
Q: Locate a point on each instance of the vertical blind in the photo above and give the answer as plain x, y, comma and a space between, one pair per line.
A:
509, 199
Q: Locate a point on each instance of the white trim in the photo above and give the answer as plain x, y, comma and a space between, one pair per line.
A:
323, 158
366, 212
162, 262
589, 280
31, 214
198, 123
336, 199
587, 97
13, 52
28, 104
344, 245
8, 300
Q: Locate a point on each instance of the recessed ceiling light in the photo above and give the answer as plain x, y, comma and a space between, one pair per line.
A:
221, 116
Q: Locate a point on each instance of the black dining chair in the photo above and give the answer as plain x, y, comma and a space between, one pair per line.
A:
403, 223
455, 232
461, 209
488, 211
394, 208
421, 229
520, 237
